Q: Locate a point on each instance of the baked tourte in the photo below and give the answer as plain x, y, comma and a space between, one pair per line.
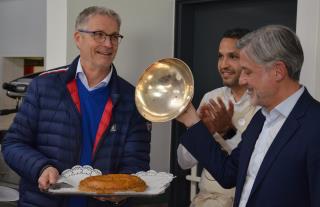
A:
105, 184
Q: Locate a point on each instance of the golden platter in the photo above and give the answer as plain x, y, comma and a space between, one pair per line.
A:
164, 90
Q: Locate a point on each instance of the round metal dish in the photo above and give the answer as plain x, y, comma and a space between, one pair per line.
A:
164, 90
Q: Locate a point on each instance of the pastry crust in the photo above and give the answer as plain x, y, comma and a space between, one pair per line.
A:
105, 184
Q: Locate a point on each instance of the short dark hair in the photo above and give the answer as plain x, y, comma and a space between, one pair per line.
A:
235, 33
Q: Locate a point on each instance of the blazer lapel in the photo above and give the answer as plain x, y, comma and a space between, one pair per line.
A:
249, 138
283, 137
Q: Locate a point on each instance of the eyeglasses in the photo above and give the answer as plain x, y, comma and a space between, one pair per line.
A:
101, 37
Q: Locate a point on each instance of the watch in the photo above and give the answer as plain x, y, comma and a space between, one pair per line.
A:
230, 133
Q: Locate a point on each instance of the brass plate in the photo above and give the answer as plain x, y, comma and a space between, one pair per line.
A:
164, 90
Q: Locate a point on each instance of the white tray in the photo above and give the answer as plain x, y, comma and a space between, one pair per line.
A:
157, 182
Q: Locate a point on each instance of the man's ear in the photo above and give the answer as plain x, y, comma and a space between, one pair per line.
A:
280, 70
77, 38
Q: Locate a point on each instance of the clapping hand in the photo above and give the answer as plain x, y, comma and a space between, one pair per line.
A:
216, 116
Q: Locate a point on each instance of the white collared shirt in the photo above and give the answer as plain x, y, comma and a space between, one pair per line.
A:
272, 125
81, 75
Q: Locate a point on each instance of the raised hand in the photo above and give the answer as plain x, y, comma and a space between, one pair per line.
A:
189, 117
216, 116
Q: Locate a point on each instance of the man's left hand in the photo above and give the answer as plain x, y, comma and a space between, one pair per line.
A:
216, 116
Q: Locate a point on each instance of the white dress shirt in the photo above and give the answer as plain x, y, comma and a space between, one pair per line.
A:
80, 74
273, 123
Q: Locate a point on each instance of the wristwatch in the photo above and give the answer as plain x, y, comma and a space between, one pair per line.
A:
230, 133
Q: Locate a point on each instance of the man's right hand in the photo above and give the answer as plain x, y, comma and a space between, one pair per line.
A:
48, 177
189, 117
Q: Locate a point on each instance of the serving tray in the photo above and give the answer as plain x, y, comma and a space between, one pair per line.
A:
68, 182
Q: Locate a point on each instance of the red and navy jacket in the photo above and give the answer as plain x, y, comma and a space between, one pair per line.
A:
47, 131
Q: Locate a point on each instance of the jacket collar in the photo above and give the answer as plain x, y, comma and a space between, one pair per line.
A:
70, 73
249, 138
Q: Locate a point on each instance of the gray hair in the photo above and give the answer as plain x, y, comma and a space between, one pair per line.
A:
84, 16
272, 43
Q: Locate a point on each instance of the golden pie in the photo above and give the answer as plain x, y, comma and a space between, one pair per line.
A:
105, 184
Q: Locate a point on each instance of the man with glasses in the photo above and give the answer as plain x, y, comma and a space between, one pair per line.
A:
83, 114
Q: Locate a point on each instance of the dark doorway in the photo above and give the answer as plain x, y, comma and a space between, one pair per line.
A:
199, 26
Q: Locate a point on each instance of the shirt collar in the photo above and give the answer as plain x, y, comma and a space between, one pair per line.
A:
81, 75
286, 106
244, 98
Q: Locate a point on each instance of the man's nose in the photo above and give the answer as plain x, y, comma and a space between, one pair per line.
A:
224, 63
107, 41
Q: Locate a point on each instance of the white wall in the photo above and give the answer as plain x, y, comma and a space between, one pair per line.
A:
308, 30
147, 26
22, 34
56, 26
23, 28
